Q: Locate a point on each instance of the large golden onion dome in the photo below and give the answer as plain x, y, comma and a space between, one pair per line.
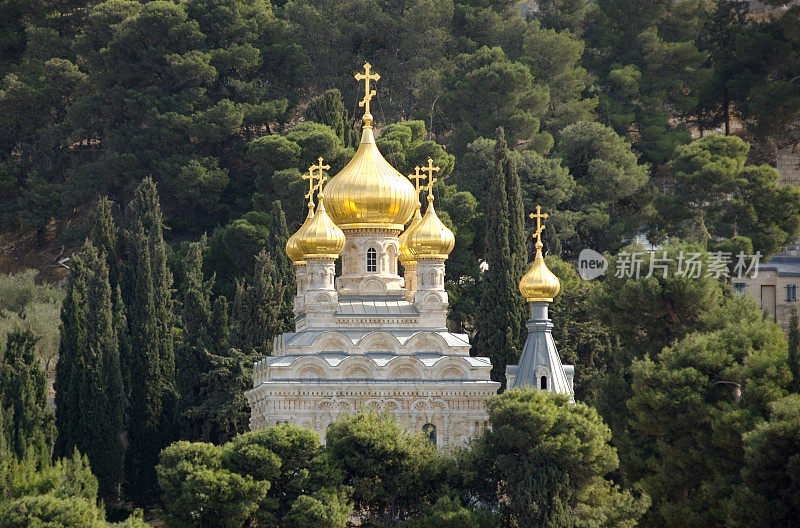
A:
405, 255
319, 236
368, 192
539, 284
292, 249
430, 238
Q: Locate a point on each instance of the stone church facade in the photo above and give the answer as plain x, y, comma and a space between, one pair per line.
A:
370, 338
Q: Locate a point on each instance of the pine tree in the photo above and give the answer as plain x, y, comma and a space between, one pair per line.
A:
257, 309
496, 330
71, 346
278, 235
794, 349
29, 430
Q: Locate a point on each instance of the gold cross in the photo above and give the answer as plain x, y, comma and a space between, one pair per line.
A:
430, 169
368, 94
320, 176
416, 177
311, 177
539, 216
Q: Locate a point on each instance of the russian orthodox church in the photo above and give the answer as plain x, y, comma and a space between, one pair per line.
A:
370, 338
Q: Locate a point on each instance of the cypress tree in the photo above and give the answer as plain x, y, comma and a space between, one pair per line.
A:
145, 403
278, 235
29, 429
196, 321
256, 315
328, 109
103, 234
147, 293
102, 397
516, 233
123, 347
70, 350
90, 397
5, 458
496, 328
794, 349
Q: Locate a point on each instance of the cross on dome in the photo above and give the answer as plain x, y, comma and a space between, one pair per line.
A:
416, 177
321, 177
539, 216
368, 93
311, 177
430, 169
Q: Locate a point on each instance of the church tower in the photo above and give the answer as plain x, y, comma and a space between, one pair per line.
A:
539, 364
371, 338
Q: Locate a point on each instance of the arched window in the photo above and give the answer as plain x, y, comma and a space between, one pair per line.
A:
544, 383
430, 431
372, 260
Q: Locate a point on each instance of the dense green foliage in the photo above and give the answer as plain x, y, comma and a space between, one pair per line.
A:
276, 477
543, 463
30, 305
59, 495
498, 332
28, 426
91, 402
715, 196
201, 115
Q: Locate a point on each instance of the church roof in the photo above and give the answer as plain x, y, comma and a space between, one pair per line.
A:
307, 337
380, 359
540, 357
375, 306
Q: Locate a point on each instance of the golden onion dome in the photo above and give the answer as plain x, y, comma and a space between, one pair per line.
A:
319, 236
292, 249
405, 255
539, 284
430, 238
368, 192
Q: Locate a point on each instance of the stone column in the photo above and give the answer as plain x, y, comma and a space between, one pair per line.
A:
431, 298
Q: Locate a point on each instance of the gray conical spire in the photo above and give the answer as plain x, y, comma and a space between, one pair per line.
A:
539, 364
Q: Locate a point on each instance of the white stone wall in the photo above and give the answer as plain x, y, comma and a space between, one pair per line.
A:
458, 410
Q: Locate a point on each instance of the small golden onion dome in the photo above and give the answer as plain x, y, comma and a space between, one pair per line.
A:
405, 255
292, 249
368, 192
430, 238
319, 237
539, 284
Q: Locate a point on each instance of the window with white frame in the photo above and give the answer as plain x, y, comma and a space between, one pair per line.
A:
740, 288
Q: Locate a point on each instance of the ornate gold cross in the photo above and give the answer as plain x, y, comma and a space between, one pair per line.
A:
539, 216
416, 177
430, 169
368, 94
320, 176
311, 177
